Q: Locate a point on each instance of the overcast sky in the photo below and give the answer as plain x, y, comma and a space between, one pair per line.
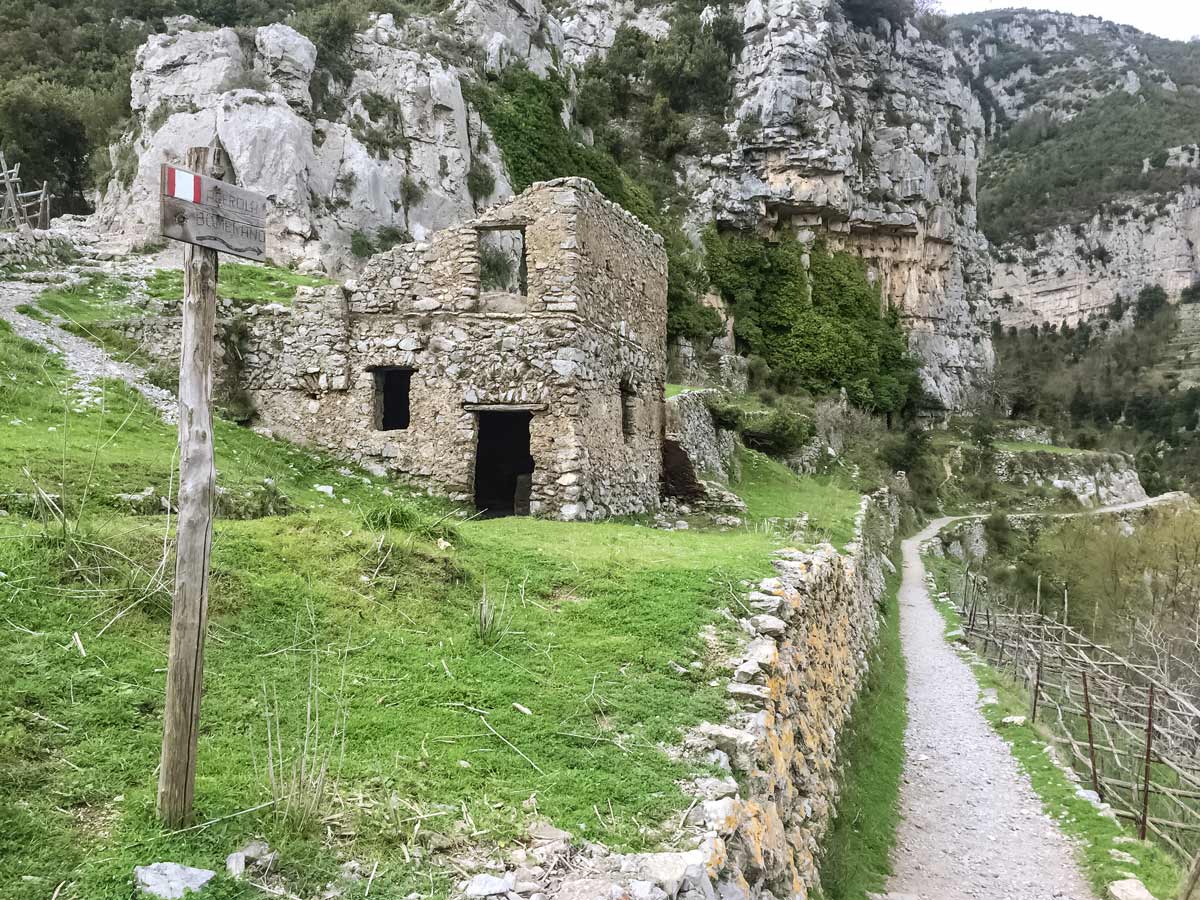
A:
1178, 19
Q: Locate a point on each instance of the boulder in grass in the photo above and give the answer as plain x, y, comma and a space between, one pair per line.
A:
170, 881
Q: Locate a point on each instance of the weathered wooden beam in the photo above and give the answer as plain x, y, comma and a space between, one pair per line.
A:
197, 480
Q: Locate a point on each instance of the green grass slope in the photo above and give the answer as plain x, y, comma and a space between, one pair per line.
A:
367, 603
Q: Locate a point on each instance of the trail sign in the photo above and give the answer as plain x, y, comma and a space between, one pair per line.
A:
200, 210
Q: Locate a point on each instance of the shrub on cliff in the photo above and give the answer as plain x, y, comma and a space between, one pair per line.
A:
866, 14
1151, 301
819, 326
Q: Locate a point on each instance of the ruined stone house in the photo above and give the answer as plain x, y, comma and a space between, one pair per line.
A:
516, 361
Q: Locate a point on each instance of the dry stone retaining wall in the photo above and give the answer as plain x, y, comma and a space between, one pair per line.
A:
32, 247
754, 830
712, 450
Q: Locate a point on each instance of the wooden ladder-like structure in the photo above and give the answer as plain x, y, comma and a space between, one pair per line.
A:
17, 207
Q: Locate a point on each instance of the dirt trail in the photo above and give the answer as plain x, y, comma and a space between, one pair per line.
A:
88, 362
971, 824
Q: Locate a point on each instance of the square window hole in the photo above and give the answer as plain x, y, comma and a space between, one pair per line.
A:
502, 265
392, 389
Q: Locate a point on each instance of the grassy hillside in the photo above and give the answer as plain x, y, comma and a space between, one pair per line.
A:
1104, 388
1042, 174
369, 603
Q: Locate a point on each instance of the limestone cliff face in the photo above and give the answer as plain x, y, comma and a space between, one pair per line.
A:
869, 142
1039, 71
395, 155
1076, 272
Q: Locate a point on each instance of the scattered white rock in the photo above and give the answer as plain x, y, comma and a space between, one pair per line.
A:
169, 880
485, 885
1129, 889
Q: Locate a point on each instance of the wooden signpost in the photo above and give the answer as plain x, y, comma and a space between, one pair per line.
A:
200, 209
209, 215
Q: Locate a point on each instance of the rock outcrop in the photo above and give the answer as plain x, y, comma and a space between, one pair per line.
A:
389, 151
872, 144
1078, 272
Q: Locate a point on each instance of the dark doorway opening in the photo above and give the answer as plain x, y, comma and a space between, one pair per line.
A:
392, 387
503, 464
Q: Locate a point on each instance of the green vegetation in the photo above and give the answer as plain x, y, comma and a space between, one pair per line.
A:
1093, 833
858, 846
97, 298
522, 112
772, 490
1044, 174
356, 593
1104, 390
240, 282
820, 329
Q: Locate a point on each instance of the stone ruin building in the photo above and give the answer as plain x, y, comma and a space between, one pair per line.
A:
516, 361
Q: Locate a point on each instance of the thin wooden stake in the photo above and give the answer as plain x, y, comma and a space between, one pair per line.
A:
189, 611
1146, 775
1037, 687
1087, 712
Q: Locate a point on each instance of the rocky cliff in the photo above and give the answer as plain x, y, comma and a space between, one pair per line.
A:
390, 151
870, 141
1084, 191
1075, 272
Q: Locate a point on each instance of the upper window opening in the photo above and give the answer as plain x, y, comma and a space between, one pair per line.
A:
392, 389
502, 260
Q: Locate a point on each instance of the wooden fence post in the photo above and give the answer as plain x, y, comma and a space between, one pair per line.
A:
1146, 776
189, 611
1193, 878
1037, 687
1087, 711
44, 207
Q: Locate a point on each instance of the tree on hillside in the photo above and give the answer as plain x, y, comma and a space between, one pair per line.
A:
1151, 301
41, 129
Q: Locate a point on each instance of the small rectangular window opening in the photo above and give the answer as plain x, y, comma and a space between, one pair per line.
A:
502, 264
392, 388
628, 408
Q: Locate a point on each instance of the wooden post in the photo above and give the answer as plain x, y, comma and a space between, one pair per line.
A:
1037, 687
1087, 712
1146, 775
189, 612
1037, 609
10, 191
44, 206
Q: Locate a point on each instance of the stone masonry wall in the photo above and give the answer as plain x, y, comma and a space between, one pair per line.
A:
817, 620
585, 339
31, 246
755, 829
712, 450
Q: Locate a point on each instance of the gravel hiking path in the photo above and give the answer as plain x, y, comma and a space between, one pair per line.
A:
88, 362
971, 824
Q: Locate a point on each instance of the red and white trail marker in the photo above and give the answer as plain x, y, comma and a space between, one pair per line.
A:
207, 212
183, 185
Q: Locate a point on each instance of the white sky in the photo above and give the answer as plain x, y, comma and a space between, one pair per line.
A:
1178, 19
